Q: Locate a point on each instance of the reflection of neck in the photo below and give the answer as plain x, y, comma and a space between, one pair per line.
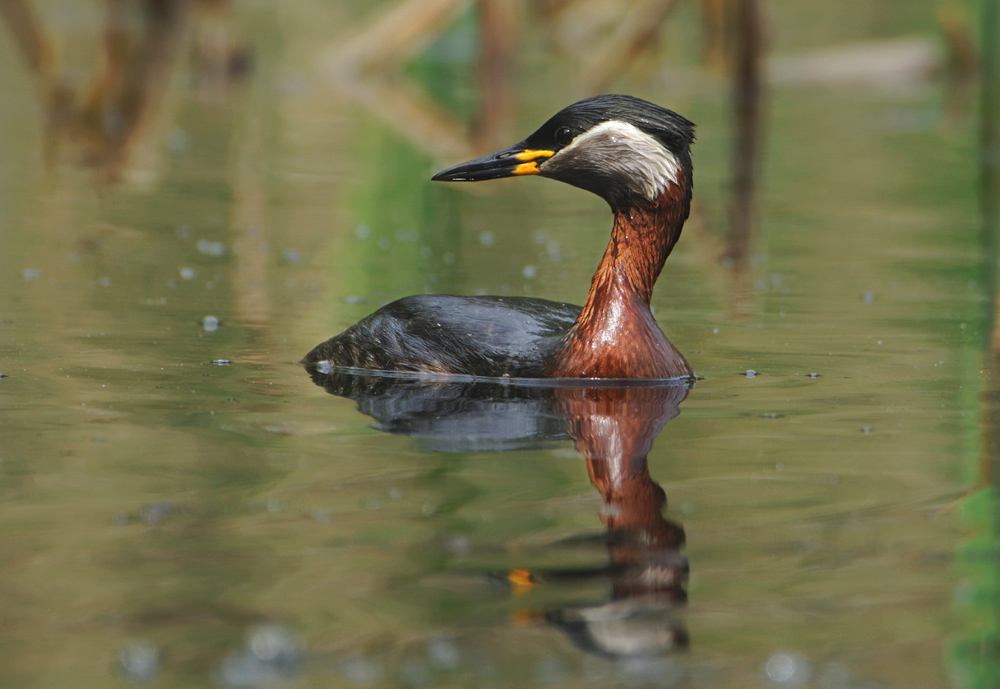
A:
614, 430
616, 335
633, 503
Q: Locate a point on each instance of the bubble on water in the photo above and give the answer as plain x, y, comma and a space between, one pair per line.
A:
788, 669
455, 544
443, 652
188, 273
293, 256
139, 661
529, 272
487, 238
362, 232
275, 645
751, 373
155, 512
554, 252
210, 323
868, 297
177, 141
211, 248
273, 653
31, 273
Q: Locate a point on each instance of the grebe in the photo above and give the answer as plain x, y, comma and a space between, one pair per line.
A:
630, 152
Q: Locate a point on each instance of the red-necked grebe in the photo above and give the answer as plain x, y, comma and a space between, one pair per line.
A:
633, 154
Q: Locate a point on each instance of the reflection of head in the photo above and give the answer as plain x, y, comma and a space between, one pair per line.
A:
614, 429
622, 628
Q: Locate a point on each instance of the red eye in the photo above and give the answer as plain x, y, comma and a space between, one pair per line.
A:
564, 135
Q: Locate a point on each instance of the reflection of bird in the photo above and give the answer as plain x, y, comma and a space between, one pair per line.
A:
635, 155
613, 425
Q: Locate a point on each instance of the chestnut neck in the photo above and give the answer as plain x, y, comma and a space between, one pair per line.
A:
643, 235
615, 335
641, 240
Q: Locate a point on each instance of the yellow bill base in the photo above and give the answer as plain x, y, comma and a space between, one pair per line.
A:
534, 155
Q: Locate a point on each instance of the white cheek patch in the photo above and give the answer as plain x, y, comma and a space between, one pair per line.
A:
625, 152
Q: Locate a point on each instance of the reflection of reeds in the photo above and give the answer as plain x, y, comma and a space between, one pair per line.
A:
366, 67
631, 37
116, 125
497, 96
973, 655
128, 94
989, 160
248, 221
26, 30
747, 93
989, 164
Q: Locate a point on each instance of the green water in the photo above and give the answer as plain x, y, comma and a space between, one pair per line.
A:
166, 489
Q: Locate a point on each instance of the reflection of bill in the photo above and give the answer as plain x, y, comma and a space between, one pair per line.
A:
613, 427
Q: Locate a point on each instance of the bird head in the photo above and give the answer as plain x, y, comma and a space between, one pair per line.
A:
624, 149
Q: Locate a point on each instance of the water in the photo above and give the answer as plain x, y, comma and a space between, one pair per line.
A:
183, 506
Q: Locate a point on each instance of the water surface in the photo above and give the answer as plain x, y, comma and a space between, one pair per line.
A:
184, 505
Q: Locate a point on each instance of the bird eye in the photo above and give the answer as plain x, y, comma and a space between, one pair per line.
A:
564, 135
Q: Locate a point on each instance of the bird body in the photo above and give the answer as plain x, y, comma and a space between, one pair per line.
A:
632, 153
439, 333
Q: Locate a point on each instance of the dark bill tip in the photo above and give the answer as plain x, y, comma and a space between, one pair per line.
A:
510, 162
